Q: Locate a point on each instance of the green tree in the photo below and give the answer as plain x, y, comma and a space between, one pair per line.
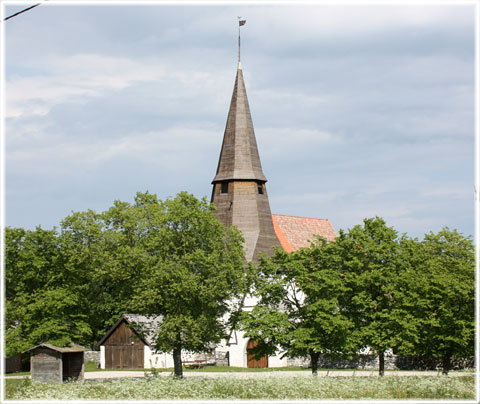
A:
92, 254
438, 293
299, 310
42, 304
169, 258
190, 270
372, 264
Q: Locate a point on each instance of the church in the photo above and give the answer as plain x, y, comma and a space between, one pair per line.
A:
240, 195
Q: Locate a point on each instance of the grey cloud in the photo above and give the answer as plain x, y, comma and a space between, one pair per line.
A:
353, 118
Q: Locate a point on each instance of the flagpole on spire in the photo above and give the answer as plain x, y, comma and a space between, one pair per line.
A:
240, 23
239, 39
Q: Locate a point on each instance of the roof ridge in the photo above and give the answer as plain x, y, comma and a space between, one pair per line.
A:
300, 217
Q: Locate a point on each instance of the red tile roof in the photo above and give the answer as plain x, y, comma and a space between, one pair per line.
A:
295, 232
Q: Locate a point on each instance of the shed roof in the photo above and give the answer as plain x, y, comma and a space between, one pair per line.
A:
67, 349
144, 326
295, 232
148, 326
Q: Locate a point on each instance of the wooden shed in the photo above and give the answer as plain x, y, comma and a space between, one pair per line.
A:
53, 364
123, 346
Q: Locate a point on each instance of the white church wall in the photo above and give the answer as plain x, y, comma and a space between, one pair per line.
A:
162, 360
277, 361
159, 360
237, 349
237, 346
102, 356
249, 303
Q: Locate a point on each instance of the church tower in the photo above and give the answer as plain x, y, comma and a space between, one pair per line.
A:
239, 190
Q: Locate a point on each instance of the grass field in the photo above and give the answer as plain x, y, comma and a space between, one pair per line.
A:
275, 388
12, 386
92, 367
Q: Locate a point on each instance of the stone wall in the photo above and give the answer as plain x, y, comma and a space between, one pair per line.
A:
423, 363
301, 362
391, 362
358, 362
222, 358
92, 356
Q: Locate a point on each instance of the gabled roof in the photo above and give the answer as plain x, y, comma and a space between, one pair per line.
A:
239, 159
295, 232
67, 349
145, 327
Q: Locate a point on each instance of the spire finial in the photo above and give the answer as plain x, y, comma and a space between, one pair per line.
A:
240, 23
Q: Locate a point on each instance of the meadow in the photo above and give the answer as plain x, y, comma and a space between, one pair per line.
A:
228, 388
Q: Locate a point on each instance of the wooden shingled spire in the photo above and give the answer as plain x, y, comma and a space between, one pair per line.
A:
239, 158
239, 190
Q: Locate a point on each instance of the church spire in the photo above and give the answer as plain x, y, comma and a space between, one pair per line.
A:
239, 158
239, 190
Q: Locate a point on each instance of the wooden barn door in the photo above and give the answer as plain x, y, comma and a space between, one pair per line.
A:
123, 350
123, 357
136, 356
251, 361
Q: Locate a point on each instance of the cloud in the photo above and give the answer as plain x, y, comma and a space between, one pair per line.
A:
452, 192
94, 75
278, 143
78, 75
358, 110
160, 150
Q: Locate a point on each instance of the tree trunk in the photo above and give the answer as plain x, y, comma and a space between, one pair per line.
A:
177, 362
314, 358
381, 363
446, 364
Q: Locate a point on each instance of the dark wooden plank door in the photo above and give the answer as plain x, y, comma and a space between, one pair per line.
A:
251, 361
124, 349
136, 356
124, 356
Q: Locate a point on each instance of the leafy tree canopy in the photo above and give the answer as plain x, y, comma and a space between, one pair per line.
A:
299, 308
369, 289
44, 300
191, 270
171, 258
371, 262
438, 294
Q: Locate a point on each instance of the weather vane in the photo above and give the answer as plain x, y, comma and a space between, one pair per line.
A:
240, 23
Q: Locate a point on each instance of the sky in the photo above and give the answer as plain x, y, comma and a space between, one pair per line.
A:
359, 110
